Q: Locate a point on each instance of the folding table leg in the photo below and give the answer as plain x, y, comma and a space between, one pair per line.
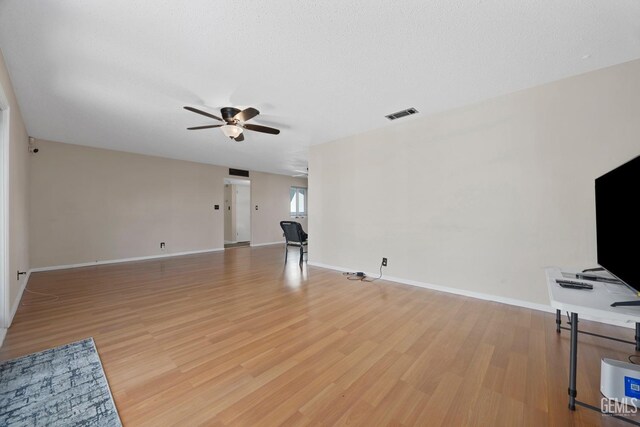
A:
573, 361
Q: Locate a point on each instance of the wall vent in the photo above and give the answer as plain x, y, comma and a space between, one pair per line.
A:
403, 113
238, 172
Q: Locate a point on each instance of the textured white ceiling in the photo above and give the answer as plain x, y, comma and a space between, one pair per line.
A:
115, 74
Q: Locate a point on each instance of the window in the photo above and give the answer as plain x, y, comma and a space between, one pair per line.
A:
298, 201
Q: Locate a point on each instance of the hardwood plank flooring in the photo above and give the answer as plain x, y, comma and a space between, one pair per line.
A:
235, 338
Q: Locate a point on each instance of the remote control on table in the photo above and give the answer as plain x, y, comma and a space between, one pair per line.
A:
572, 284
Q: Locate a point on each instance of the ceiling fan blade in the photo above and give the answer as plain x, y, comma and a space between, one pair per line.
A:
246, 114
239, 138
264, 129
204, 127
204, 113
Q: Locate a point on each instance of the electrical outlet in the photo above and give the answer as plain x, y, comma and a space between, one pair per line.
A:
384, 262
162, 245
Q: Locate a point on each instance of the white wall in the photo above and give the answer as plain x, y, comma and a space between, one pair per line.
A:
271, 193
229, 214
18, 180
243, 212
94, 205
479, 198
90, 204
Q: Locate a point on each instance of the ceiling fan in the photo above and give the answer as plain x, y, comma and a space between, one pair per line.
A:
234, 122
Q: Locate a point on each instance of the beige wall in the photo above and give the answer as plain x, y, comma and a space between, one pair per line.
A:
90, 204
18, 160
271, 193
480, 198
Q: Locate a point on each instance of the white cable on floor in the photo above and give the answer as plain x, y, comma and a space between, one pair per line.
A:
40, 302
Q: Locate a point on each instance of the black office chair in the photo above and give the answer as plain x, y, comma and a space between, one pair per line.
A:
294, 236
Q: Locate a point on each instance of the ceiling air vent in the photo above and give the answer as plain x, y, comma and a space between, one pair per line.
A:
403, 113
238, 172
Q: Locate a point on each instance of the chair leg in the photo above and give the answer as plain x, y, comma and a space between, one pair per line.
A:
286, 252
301, 253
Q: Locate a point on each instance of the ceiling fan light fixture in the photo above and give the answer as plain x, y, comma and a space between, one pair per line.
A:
231, 131
233, 122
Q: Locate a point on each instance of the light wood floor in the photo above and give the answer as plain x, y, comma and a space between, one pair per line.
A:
233, 338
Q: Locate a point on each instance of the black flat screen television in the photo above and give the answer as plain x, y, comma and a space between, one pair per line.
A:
618, 222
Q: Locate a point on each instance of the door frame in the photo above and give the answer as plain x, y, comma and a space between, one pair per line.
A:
5, 123
243, 179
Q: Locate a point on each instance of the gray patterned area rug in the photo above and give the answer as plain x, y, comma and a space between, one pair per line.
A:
62, 386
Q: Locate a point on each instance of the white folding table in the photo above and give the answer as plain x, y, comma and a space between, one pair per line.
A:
594, 303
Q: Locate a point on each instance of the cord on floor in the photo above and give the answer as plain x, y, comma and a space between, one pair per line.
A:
55, 298
363, 277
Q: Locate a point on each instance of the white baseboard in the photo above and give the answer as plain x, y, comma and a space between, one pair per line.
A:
267, 244
478, 295
14, 307
115, 261
16, 301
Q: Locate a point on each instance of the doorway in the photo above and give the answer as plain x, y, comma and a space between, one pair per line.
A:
237, 212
